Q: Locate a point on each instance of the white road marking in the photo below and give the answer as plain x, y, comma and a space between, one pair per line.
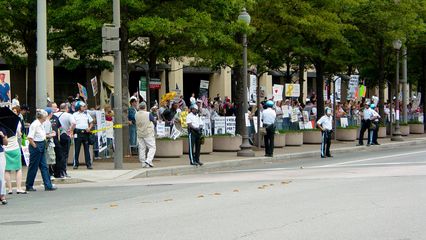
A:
337, 164
372, 158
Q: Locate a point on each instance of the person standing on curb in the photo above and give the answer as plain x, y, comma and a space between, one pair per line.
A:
268, 119
66, 121
374, 126
83, 124
365, 125
132, 123
146, 135
37, 138
195, 126
326, 125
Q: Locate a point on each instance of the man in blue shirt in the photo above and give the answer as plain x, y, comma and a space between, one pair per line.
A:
4, 88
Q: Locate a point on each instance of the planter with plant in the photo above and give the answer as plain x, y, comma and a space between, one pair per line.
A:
312, 136
347, 134
293, 137
227, 143
416, 127
168, 148
206, 148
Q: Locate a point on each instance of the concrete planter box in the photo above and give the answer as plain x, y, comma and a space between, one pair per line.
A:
167, 148
294, 139
312, 137
346, 134
279, 140
382, 132
405, 130
206, 148
417, 128
227, 143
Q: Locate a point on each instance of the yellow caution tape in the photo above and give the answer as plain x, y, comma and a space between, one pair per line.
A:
106, 128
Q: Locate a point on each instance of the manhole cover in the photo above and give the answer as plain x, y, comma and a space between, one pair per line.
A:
18, 223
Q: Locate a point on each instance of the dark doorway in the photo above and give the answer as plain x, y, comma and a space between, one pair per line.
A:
191, 84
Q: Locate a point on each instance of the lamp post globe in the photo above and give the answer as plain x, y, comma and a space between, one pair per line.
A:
246, 150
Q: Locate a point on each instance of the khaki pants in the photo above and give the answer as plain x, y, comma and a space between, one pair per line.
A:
144, 143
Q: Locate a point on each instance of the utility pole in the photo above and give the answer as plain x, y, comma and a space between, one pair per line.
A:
41, 89
118, 156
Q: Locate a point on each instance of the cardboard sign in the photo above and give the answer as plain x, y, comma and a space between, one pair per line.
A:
102, 135
353, 87
94, 82
219, 125
253, 89
277, 91
292, 90
344, 122
82, 90
294, 117
231, 125
5, 92
161, 129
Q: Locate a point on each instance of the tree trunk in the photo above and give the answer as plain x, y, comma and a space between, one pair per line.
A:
345, 85
301, 78
238, 100
288, 72
319, 68
381, 77
32, 63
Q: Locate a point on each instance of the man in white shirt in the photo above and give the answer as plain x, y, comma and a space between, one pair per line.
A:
146, 135
365, 124
325, 123
374, 126
268, 118
195, 127
67, 121
81, 128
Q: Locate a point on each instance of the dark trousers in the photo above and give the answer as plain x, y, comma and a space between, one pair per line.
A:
269, 139
62, 155
38, 160
365, 125
194, 146
82, 139
325, 143
373, 134
54, 169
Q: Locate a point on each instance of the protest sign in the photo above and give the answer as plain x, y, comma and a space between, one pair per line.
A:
277, 91
292, 90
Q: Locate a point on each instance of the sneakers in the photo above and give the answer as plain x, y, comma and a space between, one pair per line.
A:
147, 165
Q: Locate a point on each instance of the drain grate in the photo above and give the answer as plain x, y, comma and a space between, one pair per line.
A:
20, 223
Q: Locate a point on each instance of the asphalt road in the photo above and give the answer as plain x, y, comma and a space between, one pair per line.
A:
362, 195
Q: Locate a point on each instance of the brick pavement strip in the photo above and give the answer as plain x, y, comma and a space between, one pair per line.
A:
216, 161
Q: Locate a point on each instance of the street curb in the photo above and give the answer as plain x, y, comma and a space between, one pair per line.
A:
230, 164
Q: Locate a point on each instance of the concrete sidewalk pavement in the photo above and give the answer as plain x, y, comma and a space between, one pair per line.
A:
104, 169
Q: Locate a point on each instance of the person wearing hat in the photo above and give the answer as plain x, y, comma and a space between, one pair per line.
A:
195, 126
268, 118
374, 126
365, 124
146, 135
37, 137
325, 123
81, 130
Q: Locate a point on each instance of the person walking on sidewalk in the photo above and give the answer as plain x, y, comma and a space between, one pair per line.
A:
326, 125
195, 127
83, 124
146, 135
365, 124
37, 138
268, 117
374, 126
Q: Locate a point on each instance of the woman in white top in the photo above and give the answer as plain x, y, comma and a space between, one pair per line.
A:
37, 138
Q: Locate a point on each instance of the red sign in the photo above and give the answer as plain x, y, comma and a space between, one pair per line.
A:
155, 83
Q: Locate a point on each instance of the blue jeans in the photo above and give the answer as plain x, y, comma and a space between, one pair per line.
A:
286, 123
133, 135
38, 160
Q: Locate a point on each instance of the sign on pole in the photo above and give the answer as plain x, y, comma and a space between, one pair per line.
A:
82, 90
253, 88
353, 87
277, 91
292, 90
94, 82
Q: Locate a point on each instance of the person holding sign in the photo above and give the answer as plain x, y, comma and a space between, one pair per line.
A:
268, 118
326, 125
195, 126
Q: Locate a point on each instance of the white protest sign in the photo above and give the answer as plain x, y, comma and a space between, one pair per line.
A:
219, 125
231, 125
246, 116
253, 88
344, 122
292, 90
277, 91
294, 117
353, 86
161, 131
102, 134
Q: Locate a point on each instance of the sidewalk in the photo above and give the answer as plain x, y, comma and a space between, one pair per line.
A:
104, 169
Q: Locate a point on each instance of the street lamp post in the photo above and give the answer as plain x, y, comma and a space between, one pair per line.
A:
246, 150
396, 136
